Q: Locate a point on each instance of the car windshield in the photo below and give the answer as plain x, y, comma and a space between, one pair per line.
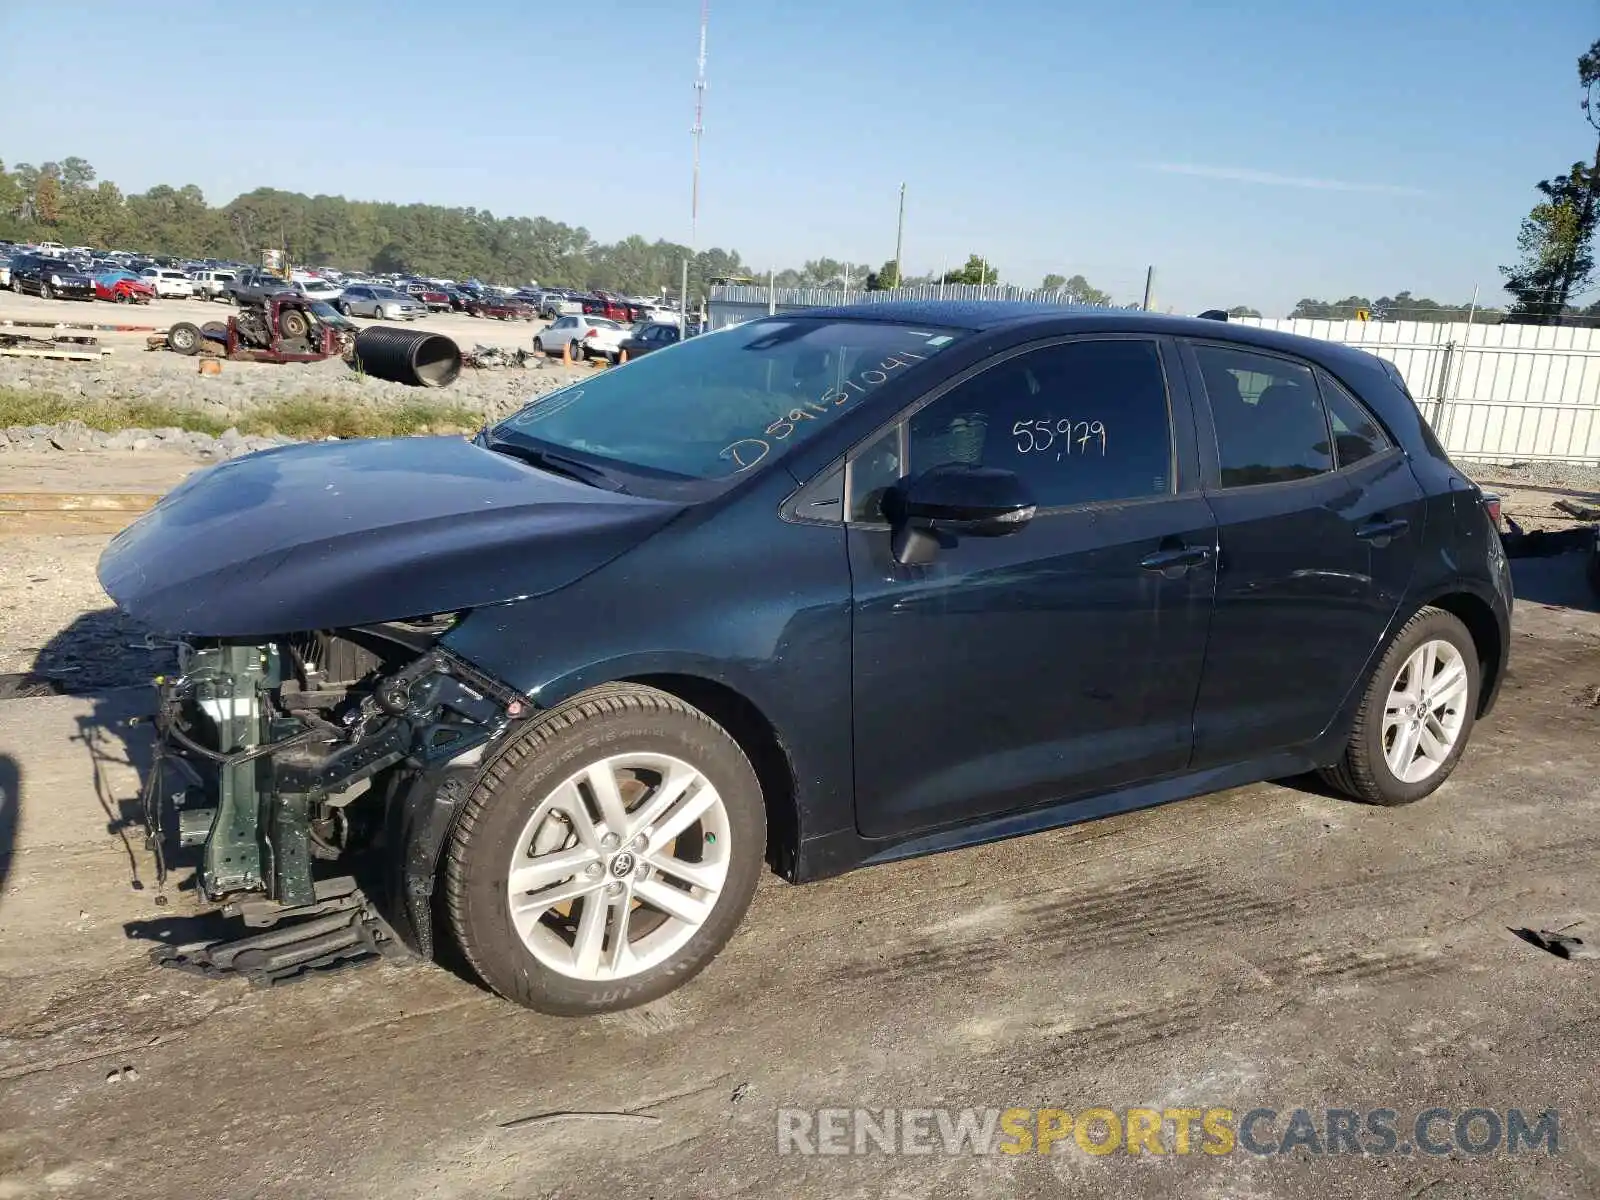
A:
719, 404
387, 293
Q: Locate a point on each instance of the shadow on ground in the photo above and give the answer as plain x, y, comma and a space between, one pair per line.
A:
10, 813
1560, 580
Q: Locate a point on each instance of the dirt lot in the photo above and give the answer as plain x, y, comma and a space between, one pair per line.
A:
133, 372
161, 313
1271, 946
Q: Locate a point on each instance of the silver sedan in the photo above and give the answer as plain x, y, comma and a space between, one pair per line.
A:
385, 303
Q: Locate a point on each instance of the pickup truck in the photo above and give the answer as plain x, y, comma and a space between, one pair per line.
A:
256, 284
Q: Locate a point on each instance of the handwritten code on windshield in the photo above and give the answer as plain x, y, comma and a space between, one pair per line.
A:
746, 452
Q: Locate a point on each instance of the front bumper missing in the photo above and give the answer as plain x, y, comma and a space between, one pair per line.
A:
250, 810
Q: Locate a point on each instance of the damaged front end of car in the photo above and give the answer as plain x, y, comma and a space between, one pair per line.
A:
315, 740
349, 748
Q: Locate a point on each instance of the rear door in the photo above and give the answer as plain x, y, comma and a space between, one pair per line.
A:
1319, 520
1062, 660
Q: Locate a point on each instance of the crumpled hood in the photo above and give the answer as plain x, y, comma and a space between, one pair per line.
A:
348, 533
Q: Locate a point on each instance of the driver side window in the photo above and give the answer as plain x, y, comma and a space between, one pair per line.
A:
1080, 422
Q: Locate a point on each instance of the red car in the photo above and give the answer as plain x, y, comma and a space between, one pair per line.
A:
433, 298
125, 288
502, 308
614, 307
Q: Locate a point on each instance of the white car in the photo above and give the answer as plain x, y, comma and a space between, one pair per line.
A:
586, 337
319, 289
168, 282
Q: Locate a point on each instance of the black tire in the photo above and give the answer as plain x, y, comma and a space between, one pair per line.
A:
122, 297
46, 292
538, 344
579, 354
342, 308
1362, 772
185, 338
604, 721
217, 327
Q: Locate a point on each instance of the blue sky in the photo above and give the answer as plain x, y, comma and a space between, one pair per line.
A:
1255, 152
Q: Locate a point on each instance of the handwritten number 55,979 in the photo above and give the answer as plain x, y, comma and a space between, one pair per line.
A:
1041, 435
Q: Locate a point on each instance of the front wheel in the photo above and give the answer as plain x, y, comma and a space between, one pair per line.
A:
1417, 715
606, 854
46, 292
538, 344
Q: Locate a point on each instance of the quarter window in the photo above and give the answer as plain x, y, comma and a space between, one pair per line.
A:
1268, 417
1080, 422
1356, 435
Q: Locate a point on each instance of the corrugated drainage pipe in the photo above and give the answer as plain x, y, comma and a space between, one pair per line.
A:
408, 356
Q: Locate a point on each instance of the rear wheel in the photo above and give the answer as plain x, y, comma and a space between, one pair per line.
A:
1417, 715
606, 854
578, 352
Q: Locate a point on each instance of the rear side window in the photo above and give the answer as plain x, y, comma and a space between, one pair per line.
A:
1268, 417
1356, 433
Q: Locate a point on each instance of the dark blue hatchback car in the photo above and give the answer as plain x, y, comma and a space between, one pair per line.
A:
819, 590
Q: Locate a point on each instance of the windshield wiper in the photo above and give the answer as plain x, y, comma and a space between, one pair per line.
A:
557, 464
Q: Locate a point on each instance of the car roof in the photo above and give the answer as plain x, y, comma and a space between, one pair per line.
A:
988, 315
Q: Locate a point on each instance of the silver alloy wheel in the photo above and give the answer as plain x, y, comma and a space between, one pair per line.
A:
619, 867
1423, 715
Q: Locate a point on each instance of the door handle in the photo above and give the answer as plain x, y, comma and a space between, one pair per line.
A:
1176, 560
1382, 532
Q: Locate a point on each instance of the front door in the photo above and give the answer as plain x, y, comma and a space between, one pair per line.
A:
1058, 661
1319, 517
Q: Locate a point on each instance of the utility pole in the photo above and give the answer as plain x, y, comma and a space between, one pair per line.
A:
696, 130
899, 240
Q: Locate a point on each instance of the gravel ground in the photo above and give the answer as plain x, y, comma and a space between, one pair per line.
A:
131, 371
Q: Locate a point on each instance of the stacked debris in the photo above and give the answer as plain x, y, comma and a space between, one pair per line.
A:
61, 346
491, 357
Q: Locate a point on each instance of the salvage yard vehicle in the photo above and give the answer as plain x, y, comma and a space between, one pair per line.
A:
122, 287
500, 308
434, 299
168, 282
647, 336
212, 285
582, 338
256, 284
835, 588
279, 329
384, 303
49, 278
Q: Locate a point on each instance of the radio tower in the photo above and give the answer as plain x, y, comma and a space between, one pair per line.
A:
698, 129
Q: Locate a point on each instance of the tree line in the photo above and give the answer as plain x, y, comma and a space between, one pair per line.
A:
67, 202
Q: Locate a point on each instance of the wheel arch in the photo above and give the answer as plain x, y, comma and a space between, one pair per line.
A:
1478, 616
758, 737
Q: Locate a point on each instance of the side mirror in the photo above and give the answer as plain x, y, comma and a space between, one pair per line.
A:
954, 501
